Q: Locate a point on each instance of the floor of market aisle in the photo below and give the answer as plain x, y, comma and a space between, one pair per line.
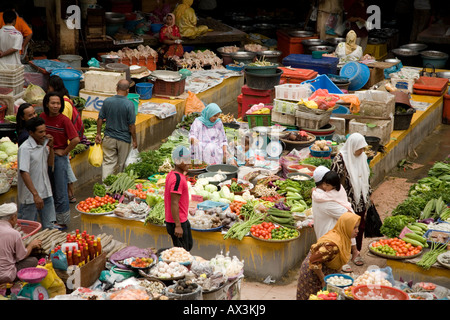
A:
435, 147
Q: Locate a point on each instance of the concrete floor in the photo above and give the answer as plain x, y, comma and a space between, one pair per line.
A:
435, 147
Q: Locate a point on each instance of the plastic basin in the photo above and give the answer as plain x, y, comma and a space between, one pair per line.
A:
71, 79
226, 169
155, 27
134, 97
341, 110
263, 81
262, 69
362, 292
357, 73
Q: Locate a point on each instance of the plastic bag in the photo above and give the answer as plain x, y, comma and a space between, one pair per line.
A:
193, 104
354, 102
373, 223
59, 260
324, 99
34, 94
96, 155
54, 285
133, 157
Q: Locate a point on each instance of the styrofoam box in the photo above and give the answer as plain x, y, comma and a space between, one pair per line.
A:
377, 103
102, 81
94, 100
284, 106
294, 92
382, 130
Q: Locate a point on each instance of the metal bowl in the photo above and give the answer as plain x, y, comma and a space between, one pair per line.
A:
228, 54
114, 18
328, 49
269, 55
243, 56
392, 60
431, 54
301, 34
403, 52
443, 74
335, 41
414, 46
314, 42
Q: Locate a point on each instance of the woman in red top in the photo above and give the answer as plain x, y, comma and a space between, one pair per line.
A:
62, 130
169, 36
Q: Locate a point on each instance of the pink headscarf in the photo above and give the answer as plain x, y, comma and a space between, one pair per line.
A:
169, 27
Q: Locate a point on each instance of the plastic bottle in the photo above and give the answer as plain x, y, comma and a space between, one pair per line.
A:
91, 250
69, 258
99, 246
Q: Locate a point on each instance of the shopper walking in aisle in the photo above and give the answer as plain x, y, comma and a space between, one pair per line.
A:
35, 156
56, 84
25, 112
65, 138
207, 137
14, 256
10, 40
353, 170
327, 255
176, 200
120, 130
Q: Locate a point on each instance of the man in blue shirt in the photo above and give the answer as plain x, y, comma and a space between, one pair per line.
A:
120, 130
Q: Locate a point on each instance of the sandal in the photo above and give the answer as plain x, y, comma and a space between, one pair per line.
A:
347, 268
358, 261
72, 199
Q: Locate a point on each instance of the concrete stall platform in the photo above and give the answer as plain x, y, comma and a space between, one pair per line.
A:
261, 258
403, 142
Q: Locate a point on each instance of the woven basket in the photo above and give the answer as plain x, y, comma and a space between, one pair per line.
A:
283, 118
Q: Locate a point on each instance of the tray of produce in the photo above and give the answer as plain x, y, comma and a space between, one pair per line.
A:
208, 230
395, 249
444, 259
238, 187
196, 168
270, 232
438, 236
339, 280
97, 205
165, 271
139, 263
176, 254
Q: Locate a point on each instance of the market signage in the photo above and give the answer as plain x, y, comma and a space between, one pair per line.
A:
74, 17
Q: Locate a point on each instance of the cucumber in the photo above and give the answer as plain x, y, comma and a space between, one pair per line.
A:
423, 226
414, 228
412, 241
416, 237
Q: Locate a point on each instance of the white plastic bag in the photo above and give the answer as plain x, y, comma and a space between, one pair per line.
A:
133, 157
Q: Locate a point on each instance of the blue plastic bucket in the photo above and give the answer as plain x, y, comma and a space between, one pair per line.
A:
133, 97
145, 90
323, 82
71, 79
358, 74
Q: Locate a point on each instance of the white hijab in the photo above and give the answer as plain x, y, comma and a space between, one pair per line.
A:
357, 167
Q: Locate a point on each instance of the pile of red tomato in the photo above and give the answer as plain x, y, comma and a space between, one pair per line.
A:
401, 247
95, 202
263, 230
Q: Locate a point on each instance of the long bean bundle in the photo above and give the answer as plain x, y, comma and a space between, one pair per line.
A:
430, 257
241, 228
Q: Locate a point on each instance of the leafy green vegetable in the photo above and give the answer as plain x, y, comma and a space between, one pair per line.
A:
110, 179
393, 225
411, 207
99, 190
439, 169
317, 162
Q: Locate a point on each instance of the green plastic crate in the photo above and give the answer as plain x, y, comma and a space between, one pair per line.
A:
259, 120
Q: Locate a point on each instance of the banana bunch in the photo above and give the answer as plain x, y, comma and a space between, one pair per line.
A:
435, 208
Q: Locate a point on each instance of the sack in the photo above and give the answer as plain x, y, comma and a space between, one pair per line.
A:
373, 223
133, 157
96, 155
193, 104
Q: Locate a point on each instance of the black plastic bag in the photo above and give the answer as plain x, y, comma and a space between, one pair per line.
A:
373, 223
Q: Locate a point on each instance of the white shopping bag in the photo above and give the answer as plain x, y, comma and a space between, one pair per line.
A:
133, 157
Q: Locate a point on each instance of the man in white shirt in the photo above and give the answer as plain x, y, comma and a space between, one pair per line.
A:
10, 40
35, 156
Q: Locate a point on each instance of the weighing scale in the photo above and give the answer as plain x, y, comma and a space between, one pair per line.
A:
32, 290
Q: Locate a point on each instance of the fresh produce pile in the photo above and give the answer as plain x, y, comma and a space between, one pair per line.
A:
98, 204
187, 121
168, 270
90, 129
396, 247
323, 295
430, 257
269, 231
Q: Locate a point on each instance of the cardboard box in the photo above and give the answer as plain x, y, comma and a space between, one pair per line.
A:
84, 276
377, 72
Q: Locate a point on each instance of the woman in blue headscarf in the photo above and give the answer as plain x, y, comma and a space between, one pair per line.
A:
207, 137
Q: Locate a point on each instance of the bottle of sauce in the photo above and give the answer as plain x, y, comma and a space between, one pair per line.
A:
69, 258
75, 257
99, 246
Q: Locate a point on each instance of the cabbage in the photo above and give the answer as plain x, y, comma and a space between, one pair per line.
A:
12, 158
202, 182
3, 156
211, 188
224, 201
9, 148
215, 196
225, 192
204, 194
34, 94
239, 198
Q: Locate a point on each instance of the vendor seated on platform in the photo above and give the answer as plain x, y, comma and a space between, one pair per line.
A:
186, 20
349, 51
244, 155
207, 137
14, 256
169, 36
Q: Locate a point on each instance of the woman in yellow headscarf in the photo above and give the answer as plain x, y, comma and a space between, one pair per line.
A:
327, 255
349, 51
186, 20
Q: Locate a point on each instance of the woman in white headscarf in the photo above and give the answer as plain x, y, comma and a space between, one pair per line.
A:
353, 169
